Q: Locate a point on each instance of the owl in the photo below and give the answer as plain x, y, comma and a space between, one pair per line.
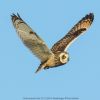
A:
57, 55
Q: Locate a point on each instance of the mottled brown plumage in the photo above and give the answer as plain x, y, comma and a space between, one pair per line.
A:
79, 28
57, 56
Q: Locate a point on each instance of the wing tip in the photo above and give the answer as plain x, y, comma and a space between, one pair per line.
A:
90, 16
14, 17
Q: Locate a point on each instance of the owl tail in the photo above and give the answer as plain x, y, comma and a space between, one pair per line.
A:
40, 68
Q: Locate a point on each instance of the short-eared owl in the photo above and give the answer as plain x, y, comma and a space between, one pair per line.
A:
56, 56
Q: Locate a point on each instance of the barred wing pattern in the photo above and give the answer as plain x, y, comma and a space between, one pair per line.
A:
78, 29
31, 39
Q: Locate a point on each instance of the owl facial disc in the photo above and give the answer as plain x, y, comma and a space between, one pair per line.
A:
64, 57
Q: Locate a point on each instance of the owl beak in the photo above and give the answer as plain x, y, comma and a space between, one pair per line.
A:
68, 59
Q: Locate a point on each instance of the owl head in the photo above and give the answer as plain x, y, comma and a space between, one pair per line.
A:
64, 57
61, 58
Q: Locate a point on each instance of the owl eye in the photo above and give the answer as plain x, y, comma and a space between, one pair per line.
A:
63, 57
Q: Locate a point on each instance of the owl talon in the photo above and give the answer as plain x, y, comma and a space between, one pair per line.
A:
46, 68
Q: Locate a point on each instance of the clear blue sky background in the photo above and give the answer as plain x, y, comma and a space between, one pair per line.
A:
51, 19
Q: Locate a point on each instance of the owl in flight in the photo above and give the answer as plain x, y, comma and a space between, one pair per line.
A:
57, 55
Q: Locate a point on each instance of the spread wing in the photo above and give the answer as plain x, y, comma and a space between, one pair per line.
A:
77, 30
31, 39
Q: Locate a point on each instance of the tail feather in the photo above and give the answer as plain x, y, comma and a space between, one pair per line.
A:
39, 68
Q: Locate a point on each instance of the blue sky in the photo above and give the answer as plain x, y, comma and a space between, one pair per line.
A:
51, 19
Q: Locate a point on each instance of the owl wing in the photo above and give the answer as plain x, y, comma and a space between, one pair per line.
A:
31, 39
77, 30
